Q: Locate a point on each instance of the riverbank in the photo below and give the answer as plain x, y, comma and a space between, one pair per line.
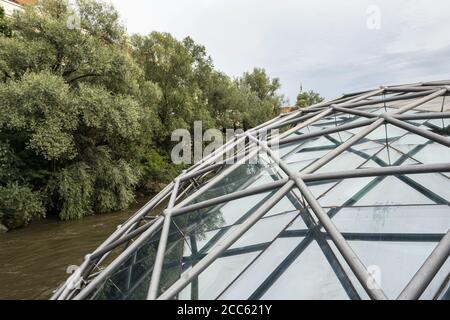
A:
34, 260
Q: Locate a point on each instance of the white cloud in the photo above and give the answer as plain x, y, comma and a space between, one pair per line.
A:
323, 44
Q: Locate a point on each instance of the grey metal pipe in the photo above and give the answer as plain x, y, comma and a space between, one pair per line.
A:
282, 120
197, 173
411, 89
437, 83
215, 253
355, 112
119, 260
423, 116
331, 155
215, 180
424, 133
329, 111
291, 121
419, 102
362, 97
387, 100
376, 172
119, 232
120, 241
366, 280
343, 147
211, 158
308, 122
229, 197
359, 173
373, 290
350, 126
428, 271
160, 253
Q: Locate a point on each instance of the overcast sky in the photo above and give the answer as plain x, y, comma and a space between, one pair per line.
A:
331, 46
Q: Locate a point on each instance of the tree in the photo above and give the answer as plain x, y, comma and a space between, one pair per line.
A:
261, 95
88, 112
72, 112
181, 69
4, 27
308, 98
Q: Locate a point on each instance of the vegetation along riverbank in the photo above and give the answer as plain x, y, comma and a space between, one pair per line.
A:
87, 110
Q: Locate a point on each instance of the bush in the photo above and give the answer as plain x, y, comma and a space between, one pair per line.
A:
19, 205
87, 113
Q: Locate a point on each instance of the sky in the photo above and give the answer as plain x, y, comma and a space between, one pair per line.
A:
330, 46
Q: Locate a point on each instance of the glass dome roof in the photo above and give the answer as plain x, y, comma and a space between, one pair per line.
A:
350, 200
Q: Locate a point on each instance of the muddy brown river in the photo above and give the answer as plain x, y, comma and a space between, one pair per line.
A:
34, 260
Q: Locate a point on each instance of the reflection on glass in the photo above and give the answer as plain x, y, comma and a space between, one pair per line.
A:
309, 277
418, 220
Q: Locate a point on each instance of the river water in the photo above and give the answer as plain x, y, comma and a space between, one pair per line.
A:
34, 260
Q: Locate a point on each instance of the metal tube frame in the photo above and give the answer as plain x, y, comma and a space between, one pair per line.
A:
300, 119
157, 268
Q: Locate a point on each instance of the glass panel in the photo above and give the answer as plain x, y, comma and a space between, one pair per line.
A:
345, 161
384, 110
439, 126
320, 142
393, 132
287, 204
298, 224
379, 191
263, 231
410, 139
392, 191
428, 154
309, 277
344, 192
307, 155
433, 105
367, 145
196, 242
211, 282
319, 188
230, 213
436, 183
341, 137
300, 166
132, 279
370, 164
283, 150
386, 157
261, 269
395, 263
238, 256
246, 175
332, 121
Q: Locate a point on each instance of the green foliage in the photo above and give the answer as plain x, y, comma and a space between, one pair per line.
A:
259, 93
181, 71
71, 114
19, 205
114, 181
87, 112
4, 28
73, 188
39, 108
157, 169
308, 98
